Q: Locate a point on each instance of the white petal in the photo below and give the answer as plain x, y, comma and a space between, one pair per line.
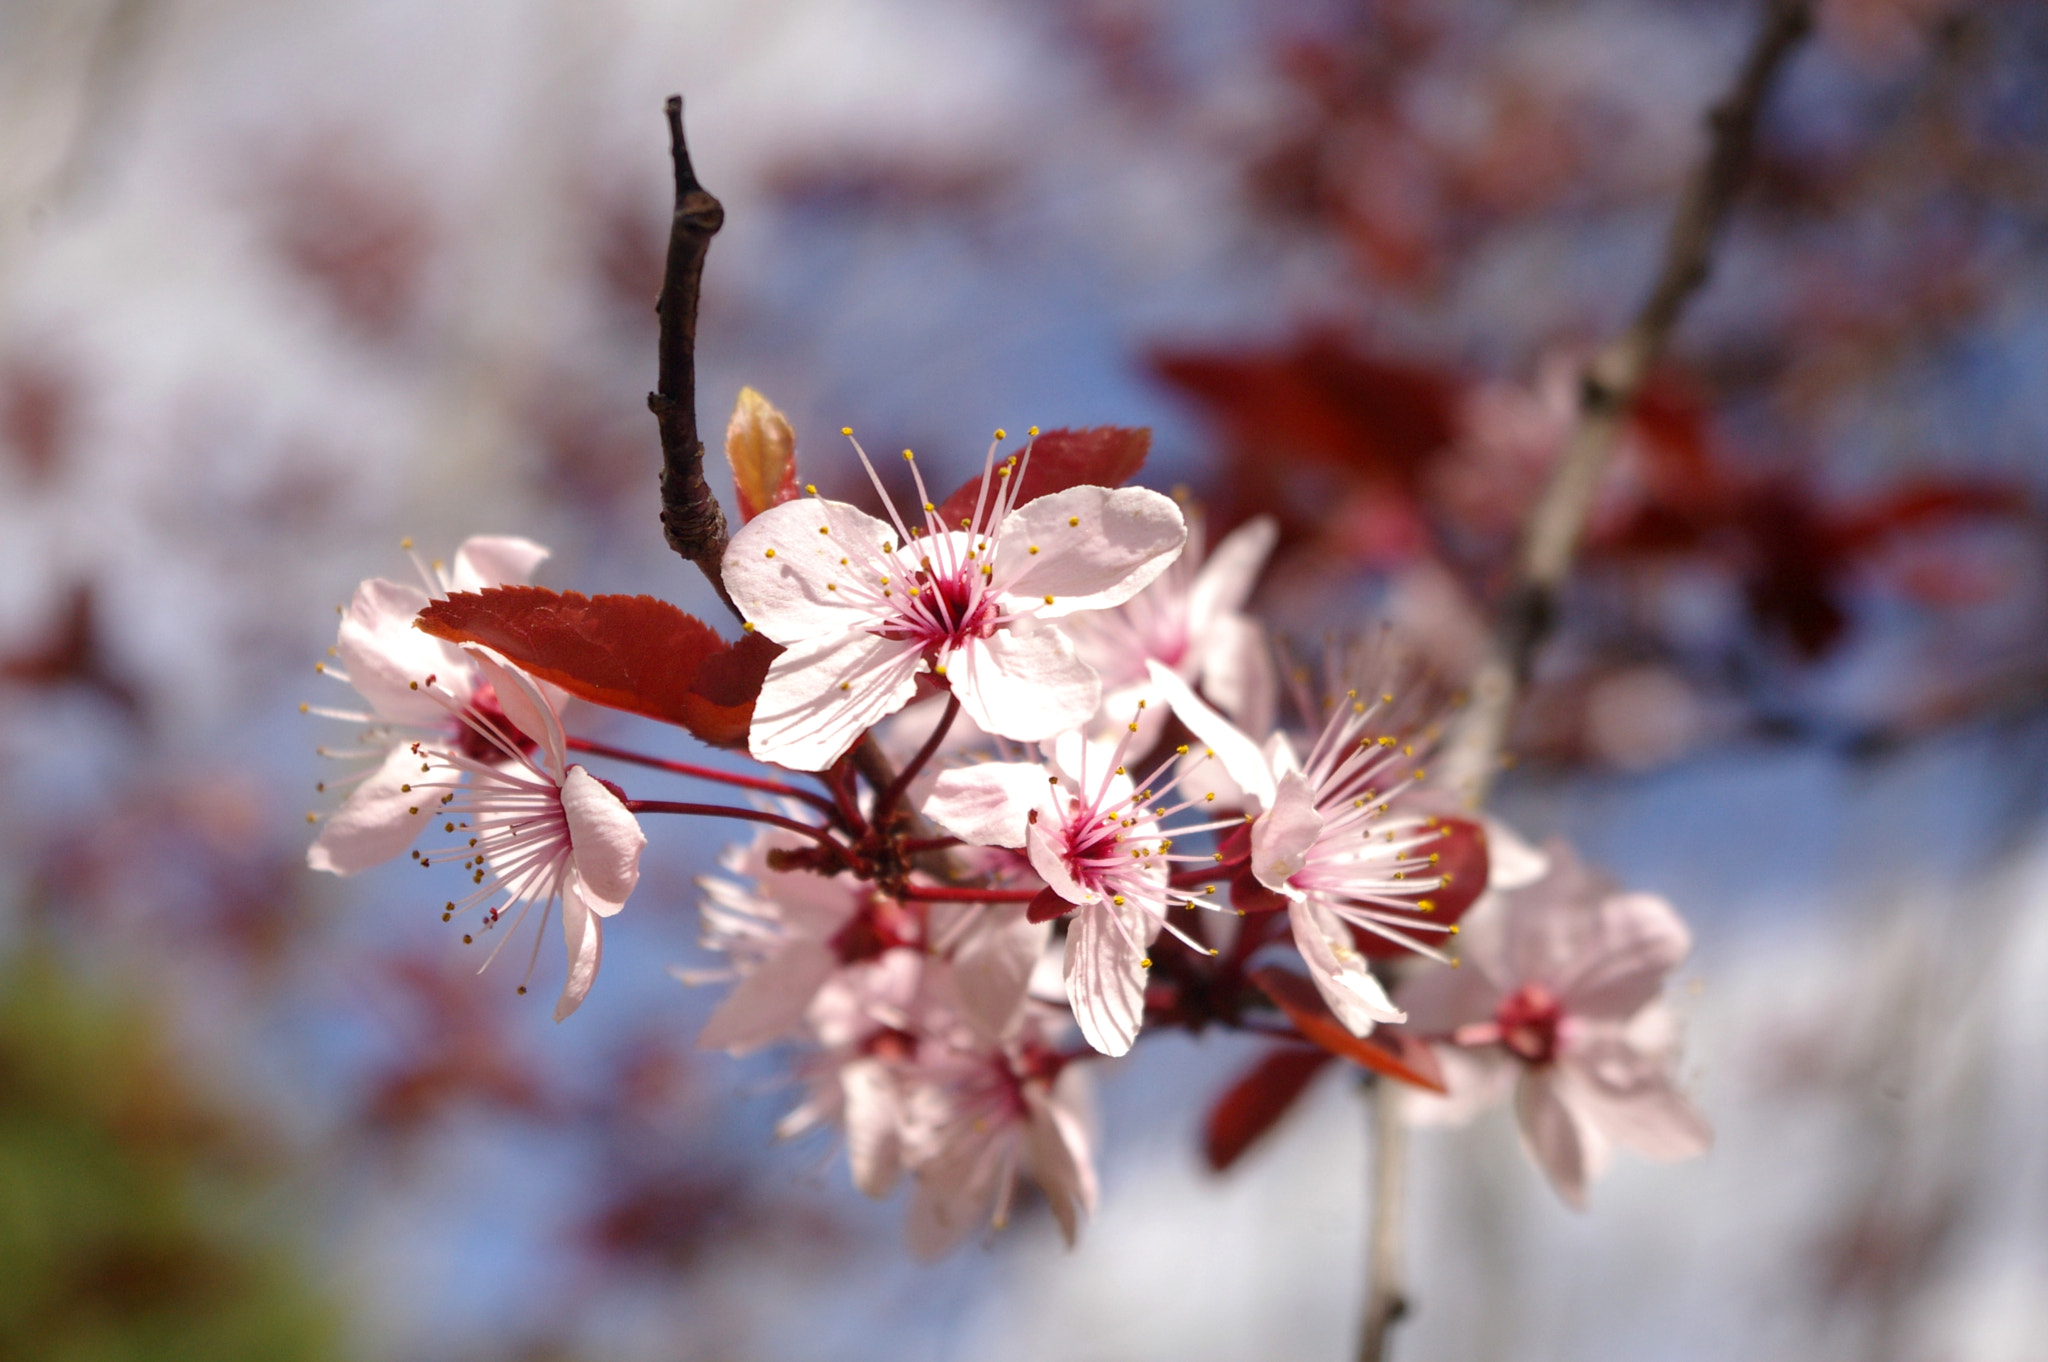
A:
1240, 756
1339, 971
1236, 668
384, 655
1284, 833
874, 1145
1060, 1162
1552, 1136
1041, 846
1118, 543
778, 565
1441, 998
379, 818
992, 968
822, 694
1024, 682
988, 804
1511, 862
1627, 1093
1231, 570
583, 934
1639, 938
605, 838
1475, 1080
769, 1003
487, 560
525, 705
1106, 973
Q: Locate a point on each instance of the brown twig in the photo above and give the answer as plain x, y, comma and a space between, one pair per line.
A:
1607, 393
690, 514
1386, 1299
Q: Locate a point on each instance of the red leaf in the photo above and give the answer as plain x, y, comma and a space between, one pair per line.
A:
633, 653
1394, 1054
1258, 1099
1047, 906
1462, 857
1105, 456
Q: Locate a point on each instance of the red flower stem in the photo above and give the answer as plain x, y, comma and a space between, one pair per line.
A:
773, 820
839, 780
926, 894
914, 845
885, 803
683, 768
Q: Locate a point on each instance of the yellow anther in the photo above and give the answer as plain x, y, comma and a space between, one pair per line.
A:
1034, 548
303, 707
406, 544
771, 553
1181, 751
1002, 434
846, 430
747, 628
824, 529
831, 586
1426, 905
811, 487
312, 818
1048, 600
1032, 432
414, 684
1146, 963
1073, 520
846, 685
908, 455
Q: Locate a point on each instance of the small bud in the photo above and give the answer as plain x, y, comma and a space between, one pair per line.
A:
760, 446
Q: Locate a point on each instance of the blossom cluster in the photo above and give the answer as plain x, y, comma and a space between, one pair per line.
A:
1035, 780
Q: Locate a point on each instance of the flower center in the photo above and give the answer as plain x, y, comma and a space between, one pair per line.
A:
1529, 1021
477, 747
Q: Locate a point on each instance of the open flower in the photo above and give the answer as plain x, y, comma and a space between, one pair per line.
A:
1191, 620
380, 653
861, 607
1558, 994
1097, 839
976, 1116
541, 831
1327, 841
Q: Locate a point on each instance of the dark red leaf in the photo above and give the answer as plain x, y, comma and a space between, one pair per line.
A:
1104, 456
1462, 859
633, 653
1258, 1099
1047, 906
1388, 1051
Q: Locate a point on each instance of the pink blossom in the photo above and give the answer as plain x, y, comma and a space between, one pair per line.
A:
541, 830
862, 606
1191, 620
1558, 993
380, 653
1327, 841
1097, 839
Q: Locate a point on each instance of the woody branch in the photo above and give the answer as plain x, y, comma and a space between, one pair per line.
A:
1608, 390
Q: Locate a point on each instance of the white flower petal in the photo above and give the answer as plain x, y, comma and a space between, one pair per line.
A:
992, 968
778, 566
987, 804
1060, 1162
525, 705
769, 1003
823, 693
1024, 683
605, 838
1041, 845
1511, 862
1231, 570
1339, 971
874, 1123
583, 935
1640, 938
1106, 973
1553, 1137
1240, 756
1236, 668
1284, 833
1116, 544
487, 560
380, 818
384, 655
1627, 1094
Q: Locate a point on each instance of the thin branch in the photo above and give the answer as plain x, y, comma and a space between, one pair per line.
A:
1608, 391
773, 820
885, 803
690, 514
924, 893
1386, 1299
683, 768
